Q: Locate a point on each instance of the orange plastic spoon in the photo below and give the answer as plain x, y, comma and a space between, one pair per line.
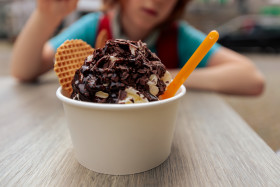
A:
191, 64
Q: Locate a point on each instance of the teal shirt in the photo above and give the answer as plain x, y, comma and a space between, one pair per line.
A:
85, 29
188, 41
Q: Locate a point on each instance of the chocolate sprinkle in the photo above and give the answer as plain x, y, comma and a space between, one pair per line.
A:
117, 66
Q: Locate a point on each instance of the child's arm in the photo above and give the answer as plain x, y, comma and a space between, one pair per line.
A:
227, 72
32, 56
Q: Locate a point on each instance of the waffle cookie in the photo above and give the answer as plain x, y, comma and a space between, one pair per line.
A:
69, 57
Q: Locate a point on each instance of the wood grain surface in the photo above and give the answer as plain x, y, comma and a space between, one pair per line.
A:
212, 145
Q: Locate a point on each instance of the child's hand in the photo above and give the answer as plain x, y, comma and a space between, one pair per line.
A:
56, 9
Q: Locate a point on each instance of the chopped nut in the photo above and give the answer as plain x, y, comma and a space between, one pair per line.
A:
153, 78
101, 94
166, 78
152, 84
153, 89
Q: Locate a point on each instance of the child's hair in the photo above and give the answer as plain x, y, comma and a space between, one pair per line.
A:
175, 14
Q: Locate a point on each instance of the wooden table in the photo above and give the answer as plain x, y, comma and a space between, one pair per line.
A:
212, 145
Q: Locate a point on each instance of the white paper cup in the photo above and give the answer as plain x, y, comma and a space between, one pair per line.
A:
121, 139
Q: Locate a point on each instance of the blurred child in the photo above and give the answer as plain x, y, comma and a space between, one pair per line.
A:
152, 21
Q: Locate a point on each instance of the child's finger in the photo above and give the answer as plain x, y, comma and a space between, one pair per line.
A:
101, 39
72, 4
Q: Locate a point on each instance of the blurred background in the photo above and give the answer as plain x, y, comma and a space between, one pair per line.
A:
251, 27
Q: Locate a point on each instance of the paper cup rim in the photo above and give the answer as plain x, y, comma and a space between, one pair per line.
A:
92, 105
